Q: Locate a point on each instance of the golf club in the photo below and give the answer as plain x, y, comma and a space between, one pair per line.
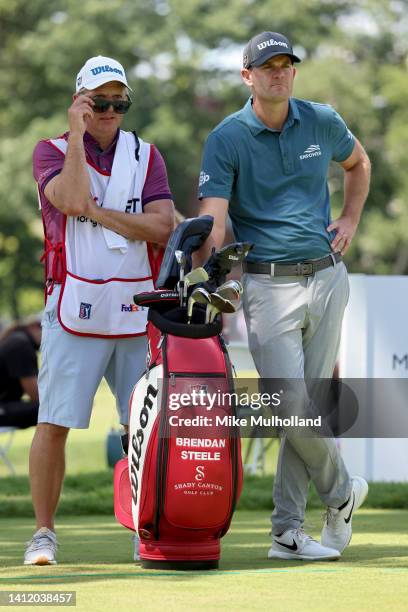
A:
221, 303
198, 275
210, 313
231, 290
220, 263
218, 304
187, 237
181, 260
199, 296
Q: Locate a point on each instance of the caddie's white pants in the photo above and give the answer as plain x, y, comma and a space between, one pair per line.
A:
72, 368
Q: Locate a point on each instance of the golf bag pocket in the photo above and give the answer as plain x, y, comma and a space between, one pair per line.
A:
199, 487
122, 494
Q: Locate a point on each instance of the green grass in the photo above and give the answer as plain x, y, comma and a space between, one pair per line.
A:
94, 561
92, 493
86, 449
88, 485
95, 552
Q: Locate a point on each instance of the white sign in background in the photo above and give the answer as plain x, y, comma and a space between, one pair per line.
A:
375, 345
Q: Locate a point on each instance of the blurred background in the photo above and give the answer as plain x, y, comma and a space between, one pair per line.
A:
182, 60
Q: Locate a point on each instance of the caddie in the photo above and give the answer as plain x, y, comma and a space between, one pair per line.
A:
105, 199
266, 166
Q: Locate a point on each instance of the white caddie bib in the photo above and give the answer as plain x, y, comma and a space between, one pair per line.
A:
103, 271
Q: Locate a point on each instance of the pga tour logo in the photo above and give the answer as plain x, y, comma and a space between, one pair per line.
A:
85, 310
312, 151
203, 179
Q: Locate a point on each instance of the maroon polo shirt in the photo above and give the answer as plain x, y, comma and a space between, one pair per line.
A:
48, 162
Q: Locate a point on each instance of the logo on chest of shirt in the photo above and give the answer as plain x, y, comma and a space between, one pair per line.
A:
311, 151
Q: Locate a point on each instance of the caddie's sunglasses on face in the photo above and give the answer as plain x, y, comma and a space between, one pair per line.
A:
101, 105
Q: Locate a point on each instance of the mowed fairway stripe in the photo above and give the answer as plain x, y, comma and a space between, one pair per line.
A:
154, 573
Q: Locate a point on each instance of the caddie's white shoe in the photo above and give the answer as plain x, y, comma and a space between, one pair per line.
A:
337, 530
136, 546
42, 548
296, 544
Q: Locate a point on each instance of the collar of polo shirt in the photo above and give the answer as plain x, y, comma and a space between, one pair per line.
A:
257, 126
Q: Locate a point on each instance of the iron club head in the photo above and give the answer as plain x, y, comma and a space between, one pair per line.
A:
199, 296
223, 304
231, 290
198, 275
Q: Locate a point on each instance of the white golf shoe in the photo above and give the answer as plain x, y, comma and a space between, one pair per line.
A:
296, 544
42, 548
337, 531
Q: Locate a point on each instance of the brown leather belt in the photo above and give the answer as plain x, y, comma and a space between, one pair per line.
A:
304, 268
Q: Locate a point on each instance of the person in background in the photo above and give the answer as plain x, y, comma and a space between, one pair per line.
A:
19, 344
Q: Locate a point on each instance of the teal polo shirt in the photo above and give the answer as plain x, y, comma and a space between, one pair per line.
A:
276, 181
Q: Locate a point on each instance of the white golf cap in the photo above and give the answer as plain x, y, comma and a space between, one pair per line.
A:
99, 70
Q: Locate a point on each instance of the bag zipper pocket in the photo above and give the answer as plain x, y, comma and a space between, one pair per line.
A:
174, 375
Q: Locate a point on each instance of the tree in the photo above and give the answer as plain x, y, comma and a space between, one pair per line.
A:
173, 52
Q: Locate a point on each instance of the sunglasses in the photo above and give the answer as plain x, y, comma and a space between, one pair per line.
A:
101, 105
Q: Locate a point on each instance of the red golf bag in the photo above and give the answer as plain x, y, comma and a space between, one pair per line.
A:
179, 485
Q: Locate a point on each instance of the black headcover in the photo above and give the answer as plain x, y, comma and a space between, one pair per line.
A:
187, 237
220, 263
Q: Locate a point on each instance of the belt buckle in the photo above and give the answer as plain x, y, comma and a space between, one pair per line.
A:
304, 269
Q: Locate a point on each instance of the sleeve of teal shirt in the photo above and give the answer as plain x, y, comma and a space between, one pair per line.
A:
341, 138
217, 168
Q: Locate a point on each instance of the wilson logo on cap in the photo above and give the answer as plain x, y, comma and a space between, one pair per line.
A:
99, 69
272, 43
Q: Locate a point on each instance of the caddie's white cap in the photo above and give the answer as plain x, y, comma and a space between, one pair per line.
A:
99, 70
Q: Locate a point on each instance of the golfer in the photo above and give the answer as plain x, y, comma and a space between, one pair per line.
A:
266, 165
104, 197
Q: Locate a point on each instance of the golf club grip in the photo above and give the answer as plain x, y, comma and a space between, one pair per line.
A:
153, 297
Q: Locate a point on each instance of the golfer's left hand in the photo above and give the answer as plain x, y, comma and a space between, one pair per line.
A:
345, 229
